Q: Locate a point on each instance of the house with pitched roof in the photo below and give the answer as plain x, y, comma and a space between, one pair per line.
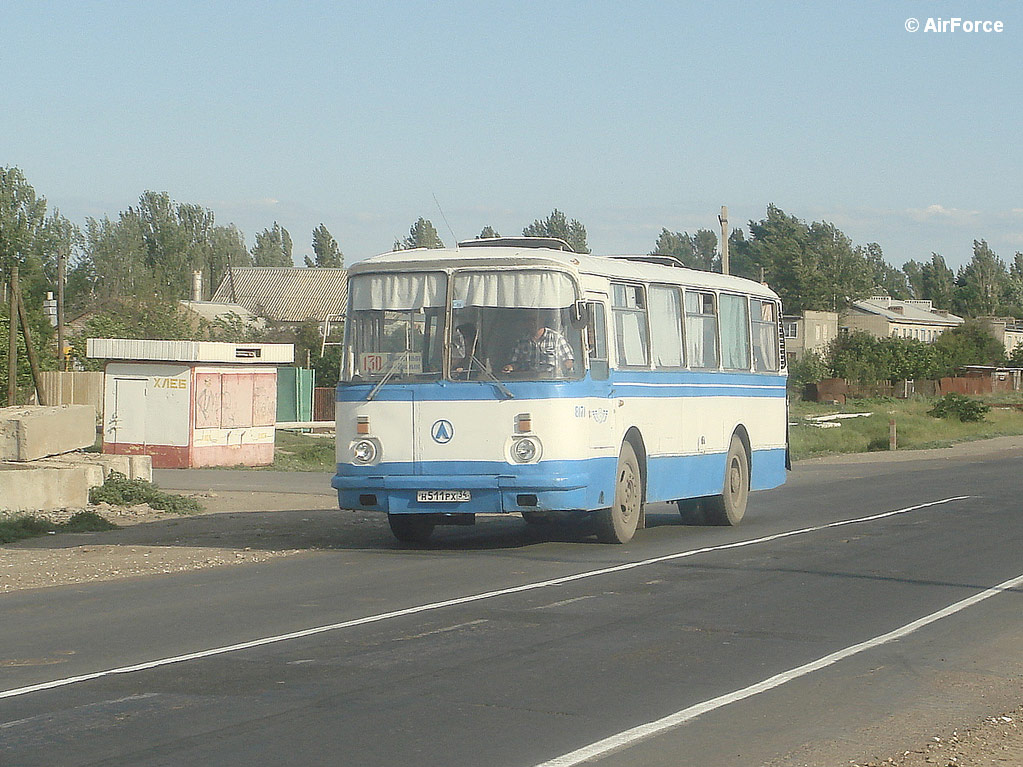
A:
286, 294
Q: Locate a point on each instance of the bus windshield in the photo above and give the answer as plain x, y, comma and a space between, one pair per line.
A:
504, 324
396, 326
514, 325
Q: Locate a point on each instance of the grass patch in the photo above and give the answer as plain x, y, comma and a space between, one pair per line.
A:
28, 526
118, 490
295, 451
916, 429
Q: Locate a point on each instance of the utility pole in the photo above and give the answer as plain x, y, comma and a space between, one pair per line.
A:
61, 269
723, 218
12, 345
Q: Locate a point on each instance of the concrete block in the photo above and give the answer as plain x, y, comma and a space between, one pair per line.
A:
98, 466
32, 488
29, 432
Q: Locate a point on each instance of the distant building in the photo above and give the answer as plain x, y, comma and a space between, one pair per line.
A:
212, 311
809, 332
882, 316
1008, 331
286, 294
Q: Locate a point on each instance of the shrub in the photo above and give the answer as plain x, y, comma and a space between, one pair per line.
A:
118, 490
959, 406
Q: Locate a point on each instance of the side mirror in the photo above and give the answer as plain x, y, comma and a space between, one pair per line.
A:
580, 315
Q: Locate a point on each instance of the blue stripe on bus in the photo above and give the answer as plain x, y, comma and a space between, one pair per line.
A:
549, 485
628, 383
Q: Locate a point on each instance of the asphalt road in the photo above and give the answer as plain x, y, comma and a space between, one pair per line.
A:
499, 645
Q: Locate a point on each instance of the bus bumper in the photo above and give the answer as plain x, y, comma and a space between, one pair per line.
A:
489, 493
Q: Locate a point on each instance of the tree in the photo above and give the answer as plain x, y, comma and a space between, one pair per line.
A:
705, 251
913, 272
887, 279
557, 225
811, 266
938, 283
421, 234
488, 233
326, 251
28, 237
968, 344
981, 284
697, 251
273, 247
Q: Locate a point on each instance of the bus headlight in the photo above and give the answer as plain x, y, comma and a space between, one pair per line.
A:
525, 450
364, 451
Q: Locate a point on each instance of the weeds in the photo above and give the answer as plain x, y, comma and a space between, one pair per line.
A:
118, 490
28, 526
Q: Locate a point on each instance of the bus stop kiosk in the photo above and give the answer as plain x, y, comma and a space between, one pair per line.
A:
190, 404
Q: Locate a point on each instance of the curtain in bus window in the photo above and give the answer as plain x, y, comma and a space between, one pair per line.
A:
396, 292
525, 290
666, 326
701, 330
765, 335
630, 332
734, 332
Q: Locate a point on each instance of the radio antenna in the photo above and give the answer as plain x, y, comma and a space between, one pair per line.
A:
453, 237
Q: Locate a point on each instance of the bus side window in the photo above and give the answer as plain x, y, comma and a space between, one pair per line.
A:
701, 329
628, 309
766, 339
596, 341
734, 319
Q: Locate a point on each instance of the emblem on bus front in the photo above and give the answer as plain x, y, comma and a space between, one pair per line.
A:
442, 431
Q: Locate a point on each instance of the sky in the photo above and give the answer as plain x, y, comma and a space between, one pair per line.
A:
630, 117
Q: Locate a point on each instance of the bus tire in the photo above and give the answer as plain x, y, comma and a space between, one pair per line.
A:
618, 523
410, 528
729, 507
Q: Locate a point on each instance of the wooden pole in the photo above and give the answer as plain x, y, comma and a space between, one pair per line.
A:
12, 343
61, 269
893, 439
33, 361
723, 218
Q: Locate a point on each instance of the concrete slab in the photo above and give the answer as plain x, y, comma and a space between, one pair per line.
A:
28, 432
30, 488
99, 465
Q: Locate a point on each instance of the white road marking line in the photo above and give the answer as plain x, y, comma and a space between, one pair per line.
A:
643, 731
454, 602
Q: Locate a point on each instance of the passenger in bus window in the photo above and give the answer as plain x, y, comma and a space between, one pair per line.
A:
543, 350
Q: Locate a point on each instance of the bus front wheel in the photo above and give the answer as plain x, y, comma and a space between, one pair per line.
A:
729, 507
618, 524
410, 528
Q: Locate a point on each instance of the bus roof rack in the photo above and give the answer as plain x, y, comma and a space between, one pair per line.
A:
553, 243
654, 258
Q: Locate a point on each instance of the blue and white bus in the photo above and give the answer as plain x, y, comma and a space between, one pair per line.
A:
515, 376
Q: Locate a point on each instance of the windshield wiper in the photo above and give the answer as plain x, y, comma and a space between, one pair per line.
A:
490, 377
387, 376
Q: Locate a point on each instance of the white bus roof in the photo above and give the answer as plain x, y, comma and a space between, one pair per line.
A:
627, 267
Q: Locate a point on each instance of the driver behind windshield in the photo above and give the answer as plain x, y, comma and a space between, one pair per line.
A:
542, 349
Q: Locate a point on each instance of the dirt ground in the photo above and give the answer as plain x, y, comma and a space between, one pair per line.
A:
239, 528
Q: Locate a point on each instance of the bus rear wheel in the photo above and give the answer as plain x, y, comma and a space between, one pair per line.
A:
410, 528
618, 524
729, 507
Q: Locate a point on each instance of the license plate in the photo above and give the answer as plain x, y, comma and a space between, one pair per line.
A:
442, 496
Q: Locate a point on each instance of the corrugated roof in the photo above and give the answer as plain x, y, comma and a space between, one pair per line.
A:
286, 294
911, 312
188, 351
212, 311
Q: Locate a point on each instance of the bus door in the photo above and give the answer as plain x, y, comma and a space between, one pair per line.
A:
600, 405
